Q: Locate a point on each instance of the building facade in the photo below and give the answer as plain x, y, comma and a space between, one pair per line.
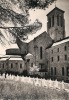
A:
55, 53
37, 48
12, 64
58, 60
48, 52
58, 53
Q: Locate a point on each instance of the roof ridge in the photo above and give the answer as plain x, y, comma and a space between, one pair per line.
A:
54, 9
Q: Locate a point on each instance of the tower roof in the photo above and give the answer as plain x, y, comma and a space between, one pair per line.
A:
56, 8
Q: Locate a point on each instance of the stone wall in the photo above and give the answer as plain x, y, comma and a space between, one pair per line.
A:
15, 67
56, 32
54, 52
43, 41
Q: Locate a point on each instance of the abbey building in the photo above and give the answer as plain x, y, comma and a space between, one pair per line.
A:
58, 53
49, 51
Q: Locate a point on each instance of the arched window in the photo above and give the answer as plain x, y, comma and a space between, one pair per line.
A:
65, 48
52, 51
49, 22
52, 59
3, 65
58, 20
58, 58
40, 52
53, 20
55, 70
57, 49
61, 21
67, 71
62, 71
51, 70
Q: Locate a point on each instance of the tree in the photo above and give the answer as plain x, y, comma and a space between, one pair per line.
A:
33, 70
19, 24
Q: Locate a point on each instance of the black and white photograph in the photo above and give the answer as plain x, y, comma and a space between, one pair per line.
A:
34, 49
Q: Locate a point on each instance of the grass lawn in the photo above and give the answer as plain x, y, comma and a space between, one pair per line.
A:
10, 90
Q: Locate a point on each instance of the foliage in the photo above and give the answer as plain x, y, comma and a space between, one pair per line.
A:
20, 20
38, 3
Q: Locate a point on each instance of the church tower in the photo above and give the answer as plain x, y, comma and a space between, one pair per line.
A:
56, 24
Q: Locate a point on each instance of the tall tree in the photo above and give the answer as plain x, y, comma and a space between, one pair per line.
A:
14, 17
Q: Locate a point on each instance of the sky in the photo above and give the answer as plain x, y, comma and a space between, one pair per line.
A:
41, 14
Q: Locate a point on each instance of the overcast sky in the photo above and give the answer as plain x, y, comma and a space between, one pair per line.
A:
41, 14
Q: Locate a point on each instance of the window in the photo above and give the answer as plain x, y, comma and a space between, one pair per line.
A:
47, 62
3, 65
61, 21
52, 51
41, 65
58, 50
28, 60
11, 65
58, 20
52, 59
16, 64
6, 63
62, 71
65, 57
25, 52
40, 52
20, 65
54, 70
58, 58
53, 20
67, 71
51, 70
65, 48
49, 22
31, 64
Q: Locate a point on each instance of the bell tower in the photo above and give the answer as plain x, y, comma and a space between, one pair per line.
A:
56, 24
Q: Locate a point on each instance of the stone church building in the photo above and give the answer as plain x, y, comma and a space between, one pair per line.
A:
58, 53
49, 51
